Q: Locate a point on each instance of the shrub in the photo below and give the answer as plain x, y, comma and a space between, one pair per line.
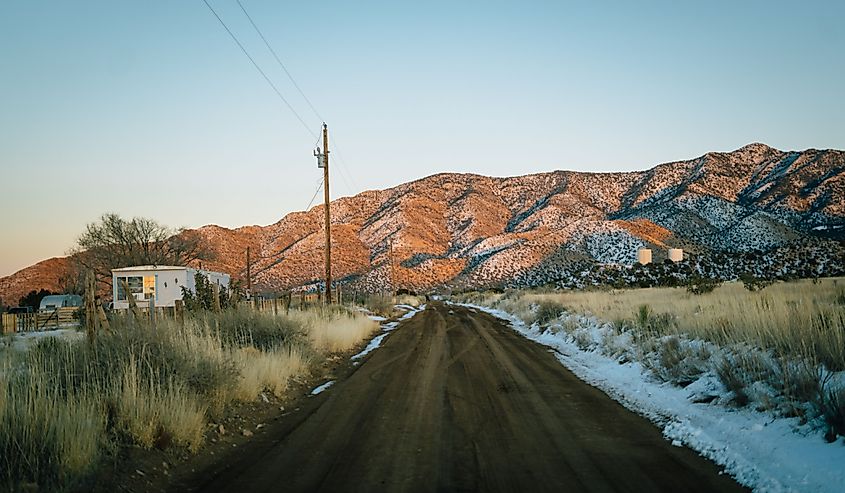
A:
380, 305
644, 313
753, 283
651, 323
242, 327
733, 379
202, 297
679, 362
833, 411
702, 285
548, 311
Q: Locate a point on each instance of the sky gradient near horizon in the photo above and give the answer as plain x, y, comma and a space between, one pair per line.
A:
150, 109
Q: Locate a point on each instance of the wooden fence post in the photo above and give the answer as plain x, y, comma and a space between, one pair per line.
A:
152, 310
216, 291
91, 316
179, 311
104, 320
132, 303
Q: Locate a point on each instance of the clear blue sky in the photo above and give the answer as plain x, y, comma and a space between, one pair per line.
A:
150, 109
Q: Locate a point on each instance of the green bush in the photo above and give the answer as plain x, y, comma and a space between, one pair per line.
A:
754, 283
702, 285
833, 411
548, 311
202, 297
242, 327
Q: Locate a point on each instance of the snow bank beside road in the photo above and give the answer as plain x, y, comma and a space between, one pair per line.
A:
376, 341
764, 453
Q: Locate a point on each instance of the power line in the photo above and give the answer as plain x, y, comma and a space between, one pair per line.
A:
257, 67
279, 61
310, 203
273, 256
343, 167
343, 174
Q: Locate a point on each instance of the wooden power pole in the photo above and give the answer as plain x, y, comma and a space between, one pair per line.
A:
248, 276
323, 162
392, 273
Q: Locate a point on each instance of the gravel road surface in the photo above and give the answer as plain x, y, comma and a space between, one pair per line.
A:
457, 401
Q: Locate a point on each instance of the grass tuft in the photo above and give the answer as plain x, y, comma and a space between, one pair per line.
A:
64, 405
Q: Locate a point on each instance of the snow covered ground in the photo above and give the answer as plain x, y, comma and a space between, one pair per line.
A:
21, 341
762, 452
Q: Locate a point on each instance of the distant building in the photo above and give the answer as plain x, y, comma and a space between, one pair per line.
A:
676, 254
53, 301
644, 256
164, 282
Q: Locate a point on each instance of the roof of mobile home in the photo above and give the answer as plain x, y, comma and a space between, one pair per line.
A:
145, 268
138, 268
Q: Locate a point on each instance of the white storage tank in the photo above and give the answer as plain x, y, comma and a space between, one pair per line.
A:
676, 254
644, 256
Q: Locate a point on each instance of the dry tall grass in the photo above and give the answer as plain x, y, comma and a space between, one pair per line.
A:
798, 319
339, 331
63, 404
780, 349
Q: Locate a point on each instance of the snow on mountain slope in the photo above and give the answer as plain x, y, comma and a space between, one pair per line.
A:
472, 230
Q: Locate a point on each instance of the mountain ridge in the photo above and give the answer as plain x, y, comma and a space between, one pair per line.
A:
473, 230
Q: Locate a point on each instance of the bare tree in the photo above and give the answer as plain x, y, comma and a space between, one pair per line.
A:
114, 242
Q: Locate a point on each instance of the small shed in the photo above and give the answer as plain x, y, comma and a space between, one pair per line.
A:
644, 256
676, 254
164, 282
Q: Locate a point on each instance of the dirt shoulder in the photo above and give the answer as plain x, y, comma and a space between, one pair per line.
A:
455, 401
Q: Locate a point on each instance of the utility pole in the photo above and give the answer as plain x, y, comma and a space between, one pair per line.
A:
248, 276
323, 162
392, 278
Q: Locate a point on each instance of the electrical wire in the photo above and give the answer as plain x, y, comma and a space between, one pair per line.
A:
319, 187
274, 256
257, 67
342, 167
346, 178
279, 61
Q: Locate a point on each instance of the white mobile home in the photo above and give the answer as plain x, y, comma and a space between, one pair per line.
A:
164, 282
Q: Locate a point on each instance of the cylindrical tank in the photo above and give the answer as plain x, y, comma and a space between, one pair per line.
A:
676, 254
644, 256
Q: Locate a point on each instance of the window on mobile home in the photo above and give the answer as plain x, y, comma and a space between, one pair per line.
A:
136, 286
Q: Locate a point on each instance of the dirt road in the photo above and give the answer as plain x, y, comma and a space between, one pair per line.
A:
455, 401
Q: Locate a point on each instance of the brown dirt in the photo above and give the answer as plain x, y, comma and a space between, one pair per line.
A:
456, 401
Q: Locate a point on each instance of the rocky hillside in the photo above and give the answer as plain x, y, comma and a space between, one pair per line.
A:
471, 230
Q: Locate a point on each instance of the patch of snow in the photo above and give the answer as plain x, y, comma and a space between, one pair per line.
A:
413, 312
322, 388
372, 346
376, 318
376, 341
764, 453
21, 341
